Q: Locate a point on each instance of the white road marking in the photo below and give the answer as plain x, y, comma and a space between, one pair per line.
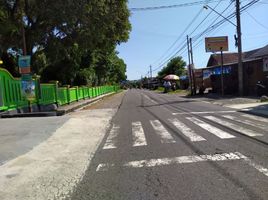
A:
234, 126
257, 118
244, 121
174, 160
205, 112
110, 142
214, 130
138, 134
166, 137
185, 130
153, 101
104, 167
186, 159
251, 163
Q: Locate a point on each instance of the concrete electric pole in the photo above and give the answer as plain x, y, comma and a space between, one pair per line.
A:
189, 66
239, 45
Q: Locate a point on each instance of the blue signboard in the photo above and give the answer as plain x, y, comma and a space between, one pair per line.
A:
24, 61
25, 64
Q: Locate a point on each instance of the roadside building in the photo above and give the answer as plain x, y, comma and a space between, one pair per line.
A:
255, 69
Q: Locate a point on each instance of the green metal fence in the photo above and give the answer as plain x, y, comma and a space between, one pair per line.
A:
11, 95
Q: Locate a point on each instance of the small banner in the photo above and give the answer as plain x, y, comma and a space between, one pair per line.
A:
24, 64
28, 87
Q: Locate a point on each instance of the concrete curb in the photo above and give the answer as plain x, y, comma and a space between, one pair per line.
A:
255, 113
35, 114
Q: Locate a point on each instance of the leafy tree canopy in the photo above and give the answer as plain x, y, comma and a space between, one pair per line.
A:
175, 66
65, 36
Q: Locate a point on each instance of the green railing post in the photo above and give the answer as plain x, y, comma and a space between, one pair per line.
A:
56, 92
83, 91
89, 92
36, 79
2, 94
68, 94
77, 95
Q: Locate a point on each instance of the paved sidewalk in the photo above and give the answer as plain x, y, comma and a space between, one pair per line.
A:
251, 105
62, 110
253, 108
53, 153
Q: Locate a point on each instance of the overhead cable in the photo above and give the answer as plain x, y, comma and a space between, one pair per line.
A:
174, 6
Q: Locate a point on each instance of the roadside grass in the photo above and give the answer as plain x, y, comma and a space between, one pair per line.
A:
178, 91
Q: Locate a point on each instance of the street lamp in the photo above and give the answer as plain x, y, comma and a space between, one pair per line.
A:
239, 43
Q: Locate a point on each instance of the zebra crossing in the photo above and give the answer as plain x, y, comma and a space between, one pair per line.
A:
138, 135
187, 128
212, 129
165, 136
187, 131
233, 126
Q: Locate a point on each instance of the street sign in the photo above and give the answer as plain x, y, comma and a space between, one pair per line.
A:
25, 64
214, 44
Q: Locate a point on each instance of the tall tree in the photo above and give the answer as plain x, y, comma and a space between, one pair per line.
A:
60, 33
175, 66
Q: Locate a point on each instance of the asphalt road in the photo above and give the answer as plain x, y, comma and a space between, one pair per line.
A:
167, 147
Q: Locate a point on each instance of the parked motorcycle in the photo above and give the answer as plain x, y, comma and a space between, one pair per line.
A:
261, 88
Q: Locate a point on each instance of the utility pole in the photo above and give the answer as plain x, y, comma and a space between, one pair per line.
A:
192, 65
239, 45
151, 73
151, 76
148, 80
189, 66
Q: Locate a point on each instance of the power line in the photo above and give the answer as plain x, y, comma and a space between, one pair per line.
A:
244, 8
257, 21
180, 36
185, 44
211, 28
204, 18
173, 6
218, 24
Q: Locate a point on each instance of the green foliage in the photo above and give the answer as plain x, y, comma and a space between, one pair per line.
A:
175, 66
71, 41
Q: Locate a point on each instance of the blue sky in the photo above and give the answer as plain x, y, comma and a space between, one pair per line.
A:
155, 31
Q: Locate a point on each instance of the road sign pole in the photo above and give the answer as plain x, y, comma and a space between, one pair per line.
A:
222, 86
